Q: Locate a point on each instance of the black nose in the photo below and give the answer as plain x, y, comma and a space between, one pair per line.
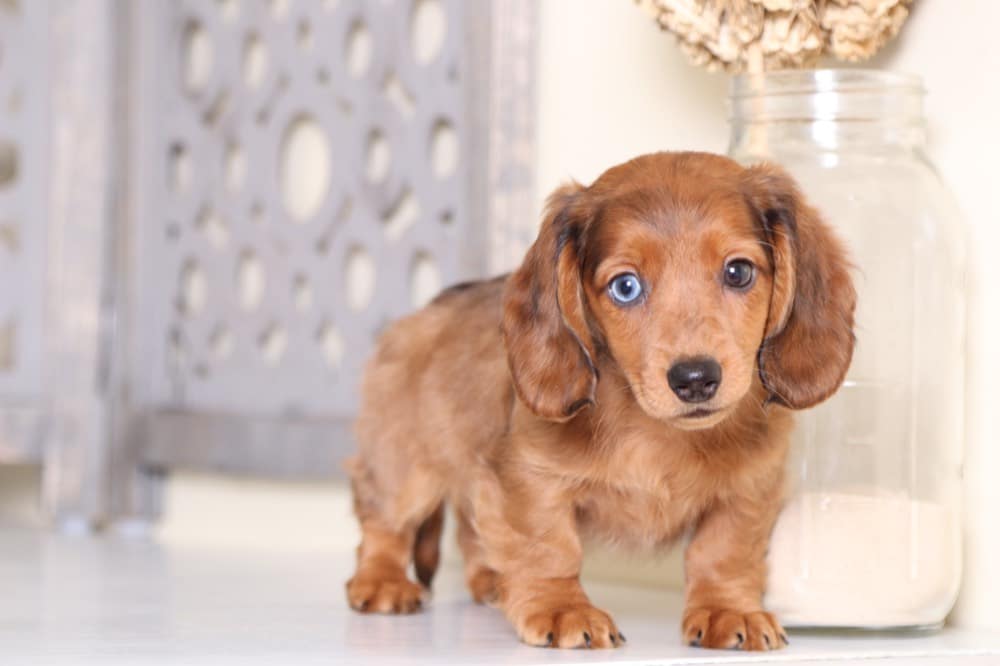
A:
696, 379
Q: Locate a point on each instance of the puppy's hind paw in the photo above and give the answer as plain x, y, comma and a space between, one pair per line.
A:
483, 585
394, 596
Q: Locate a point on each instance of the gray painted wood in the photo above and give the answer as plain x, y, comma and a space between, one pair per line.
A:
235, 411
111, 372
25, 131
210, 352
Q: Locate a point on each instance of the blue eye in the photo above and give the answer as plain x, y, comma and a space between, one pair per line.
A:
625, 288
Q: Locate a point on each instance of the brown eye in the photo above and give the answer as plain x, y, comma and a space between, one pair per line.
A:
738, 274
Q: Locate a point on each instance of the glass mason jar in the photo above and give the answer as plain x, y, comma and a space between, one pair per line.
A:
871, 534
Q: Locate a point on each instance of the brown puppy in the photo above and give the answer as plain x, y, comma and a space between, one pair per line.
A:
631, 381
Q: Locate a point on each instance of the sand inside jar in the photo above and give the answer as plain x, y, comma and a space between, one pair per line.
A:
863, 560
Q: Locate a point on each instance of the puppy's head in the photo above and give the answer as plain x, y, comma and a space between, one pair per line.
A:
694, 276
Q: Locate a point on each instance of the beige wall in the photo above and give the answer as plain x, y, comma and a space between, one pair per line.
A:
612, 86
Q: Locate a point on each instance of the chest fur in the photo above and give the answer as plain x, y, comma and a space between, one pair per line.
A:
646, 491
635, 518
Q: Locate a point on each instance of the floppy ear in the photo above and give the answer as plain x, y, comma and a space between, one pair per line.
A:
809, 338
549, 347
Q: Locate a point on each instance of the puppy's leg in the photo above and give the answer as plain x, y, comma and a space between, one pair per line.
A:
726, 573
530, 538
379, 584
479, 577
393, 525
555, 612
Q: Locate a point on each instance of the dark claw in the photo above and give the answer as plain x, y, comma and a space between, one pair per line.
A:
364, 606
586, 639
613, 639
767, 640
739, 638
621, 637
700, 634
549, 637
784, 639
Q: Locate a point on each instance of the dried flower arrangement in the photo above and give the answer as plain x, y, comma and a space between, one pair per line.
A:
760, 35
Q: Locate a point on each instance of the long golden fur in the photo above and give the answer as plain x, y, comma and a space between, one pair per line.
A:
539, 407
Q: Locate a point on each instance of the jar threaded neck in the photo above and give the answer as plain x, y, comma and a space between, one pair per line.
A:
834, 105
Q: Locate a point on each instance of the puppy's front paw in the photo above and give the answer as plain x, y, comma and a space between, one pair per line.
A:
726, 628
571, 626
384, 594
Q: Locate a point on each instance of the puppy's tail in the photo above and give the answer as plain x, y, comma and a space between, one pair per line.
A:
427, 546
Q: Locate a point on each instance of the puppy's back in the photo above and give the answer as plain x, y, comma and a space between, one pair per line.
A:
437, 390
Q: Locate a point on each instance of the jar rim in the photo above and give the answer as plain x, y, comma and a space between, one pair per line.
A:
809, 81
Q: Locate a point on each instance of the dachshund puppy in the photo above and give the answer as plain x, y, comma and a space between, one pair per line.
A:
632, 382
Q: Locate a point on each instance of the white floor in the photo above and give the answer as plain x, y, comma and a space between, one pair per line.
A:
80, 600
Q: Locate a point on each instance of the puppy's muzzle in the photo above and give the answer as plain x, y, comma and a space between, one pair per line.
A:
696, 379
